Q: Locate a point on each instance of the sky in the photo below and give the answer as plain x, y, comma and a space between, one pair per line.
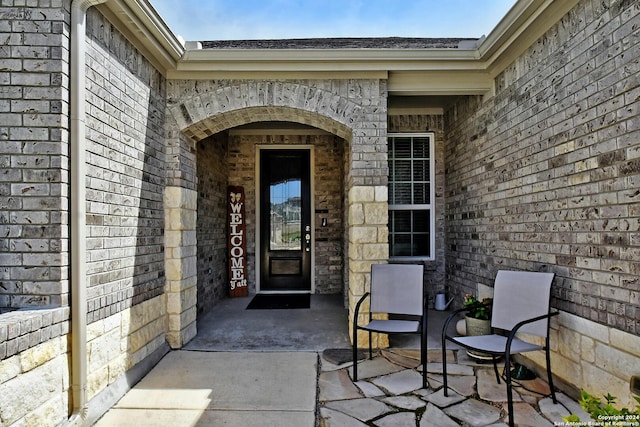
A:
282, 19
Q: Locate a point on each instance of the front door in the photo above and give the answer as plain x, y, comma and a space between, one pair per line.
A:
285, 220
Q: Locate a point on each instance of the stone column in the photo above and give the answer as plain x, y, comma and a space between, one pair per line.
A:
368, 244
180, 260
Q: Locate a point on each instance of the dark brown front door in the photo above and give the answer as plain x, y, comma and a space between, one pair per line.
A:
285, 220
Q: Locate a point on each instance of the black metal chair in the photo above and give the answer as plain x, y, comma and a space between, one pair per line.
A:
521, 303
396, 289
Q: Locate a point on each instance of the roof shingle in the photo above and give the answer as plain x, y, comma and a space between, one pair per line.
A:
343, 43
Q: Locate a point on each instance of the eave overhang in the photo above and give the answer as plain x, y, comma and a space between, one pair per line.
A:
139, 22
526, 22
409, 71
442, 71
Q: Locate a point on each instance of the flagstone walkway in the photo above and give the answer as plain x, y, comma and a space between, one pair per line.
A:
389, 393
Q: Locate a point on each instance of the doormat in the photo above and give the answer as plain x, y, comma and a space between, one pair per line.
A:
279, 301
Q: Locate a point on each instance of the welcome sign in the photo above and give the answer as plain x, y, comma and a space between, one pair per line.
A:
237, 242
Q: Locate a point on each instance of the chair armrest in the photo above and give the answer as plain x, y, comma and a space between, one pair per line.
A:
514, 331
533, 319
357, 310
449, 319
355, 320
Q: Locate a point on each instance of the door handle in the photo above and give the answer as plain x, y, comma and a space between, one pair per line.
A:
307, 238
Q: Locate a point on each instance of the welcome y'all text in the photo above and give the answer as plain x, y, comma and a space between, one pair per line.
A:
237, 245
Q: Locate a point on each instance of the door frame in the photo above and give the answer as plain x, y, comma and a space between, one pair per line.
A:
258, 255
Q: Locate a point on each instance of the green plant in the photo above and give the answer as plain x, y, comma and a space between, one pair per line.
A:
476, 308
605, 413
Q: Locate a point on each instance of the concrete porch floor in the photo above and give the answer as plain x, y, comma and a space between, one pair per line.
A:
266, 368
229, 327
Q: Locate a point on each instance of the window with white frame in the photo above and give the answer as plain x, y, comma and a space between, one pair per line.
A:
411, 196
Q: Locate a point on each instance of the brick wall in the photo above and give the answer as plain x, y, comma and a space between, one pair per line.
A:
211, 231
126, 173
34, 132
329, 204
544, 177
125, 206
434, 271
125, 182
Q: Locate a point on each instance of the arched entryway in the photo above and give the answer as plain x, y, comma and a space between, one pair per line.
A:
241, 157
218, 129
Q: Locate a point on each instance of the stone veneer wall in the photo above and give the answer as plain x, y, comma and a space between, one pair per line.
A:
34, 367
125, 183
434, 275
544, 176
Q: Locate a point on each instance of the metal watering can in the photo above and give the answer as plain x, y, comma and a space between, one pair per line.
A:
441, 305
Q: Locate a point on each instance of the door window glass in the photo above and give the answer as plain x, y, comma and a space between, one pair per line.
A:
285, 197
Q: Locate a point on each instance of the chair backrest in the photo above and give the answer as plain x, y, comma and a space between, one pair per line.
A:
521, 295
397, 289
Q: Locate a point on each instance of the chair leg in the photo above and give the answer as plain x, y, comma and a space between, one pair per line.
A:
444, 365
509, 389
355, 361
495, 367
355, 352
423, 357
370, 352
549, 376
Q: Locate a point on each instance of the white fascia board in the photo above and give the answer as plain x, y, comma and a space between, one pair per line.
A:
253, 74
156, 25
146, 30
410, 72
511, 24
327, 63
348, 55
526, 22
440, 82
